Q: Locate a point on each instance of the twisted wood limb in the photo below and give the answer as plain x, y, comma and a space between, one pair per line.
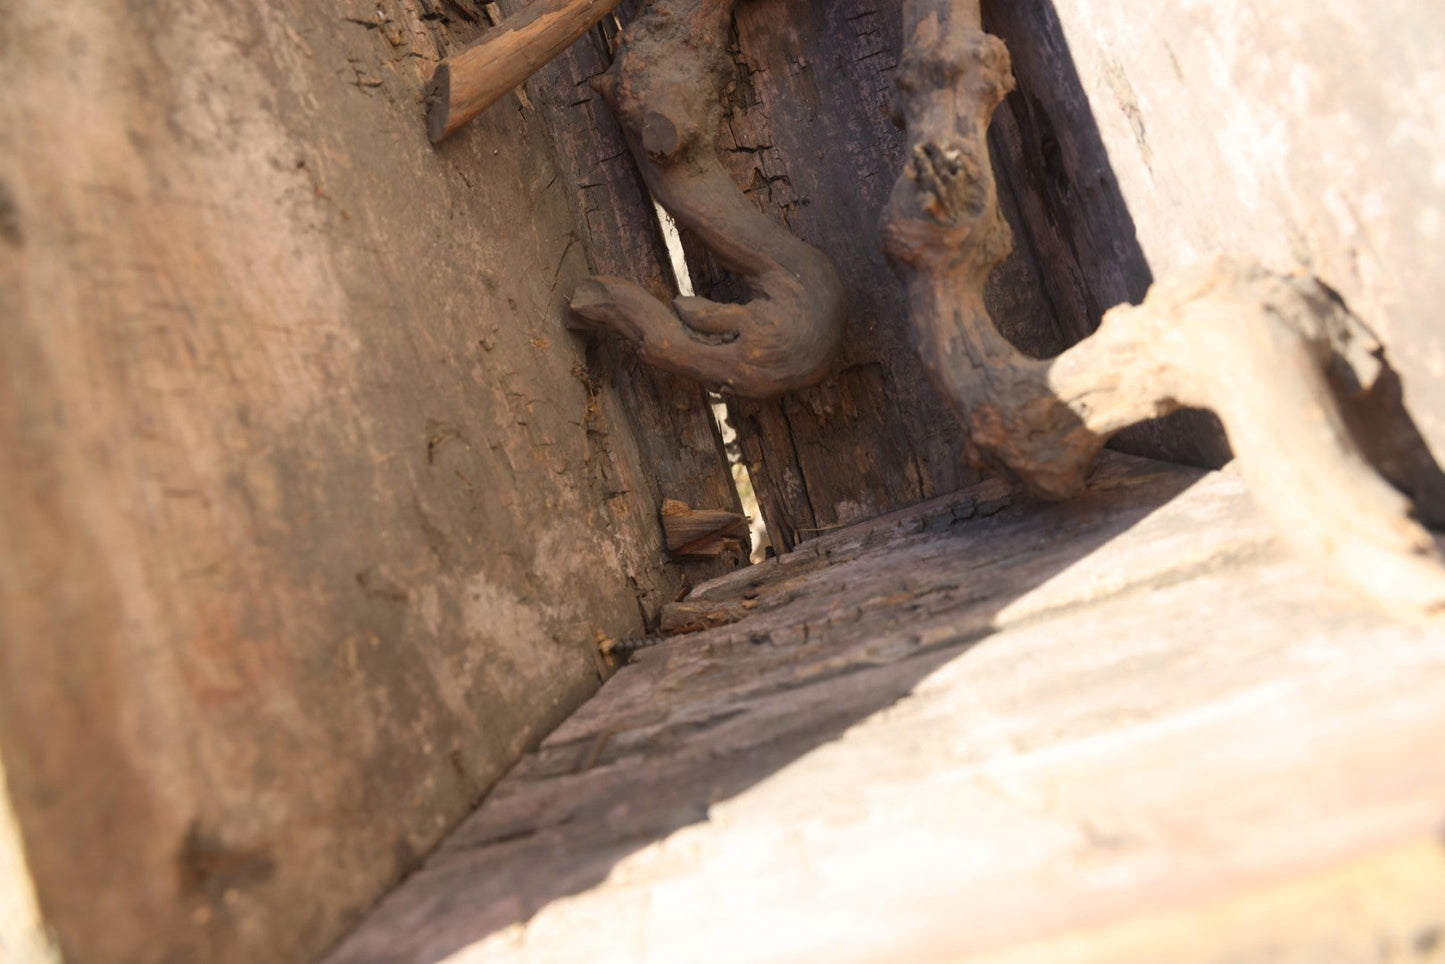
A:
665, 88
1273, 356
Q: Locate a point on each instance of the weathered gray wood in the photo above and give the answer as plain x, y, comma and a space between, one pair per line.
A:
809, 135
312, 507
962, 730
1070, 213
1156, 135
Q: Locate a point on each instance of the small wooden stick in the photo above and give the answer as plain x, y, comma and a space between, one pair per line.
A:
467, 84
1276, 357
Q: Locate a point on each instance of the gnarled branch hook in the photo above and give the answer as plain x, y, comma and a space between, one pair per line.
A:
665, 88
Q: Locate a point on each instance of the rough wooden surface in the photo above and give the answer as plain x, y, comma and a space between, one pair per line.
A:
665, 88
677, 442
465, 84
809, 135
23, 936
979, 730
1070, 212
313, 509
1156, 135
1277, 358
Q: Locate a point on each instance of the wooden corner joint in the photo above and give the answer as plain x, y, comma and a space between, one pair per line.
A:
666, 89
1275, 357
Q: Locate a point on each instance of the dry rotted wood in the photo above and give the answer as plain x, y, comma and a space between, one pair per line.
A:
465, 85
1270, 355
665, 89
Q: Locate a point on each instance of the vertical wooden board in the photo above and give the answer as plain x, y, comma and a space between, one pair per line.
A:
312, 510
809, 136
680, 450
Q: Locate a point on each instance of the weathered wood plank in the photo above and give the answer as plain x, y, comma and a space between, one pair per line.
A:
963, 730
312, 507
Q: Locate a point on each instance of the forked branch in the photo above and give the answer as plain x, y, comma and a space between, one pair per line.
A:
666, 90
1273, 356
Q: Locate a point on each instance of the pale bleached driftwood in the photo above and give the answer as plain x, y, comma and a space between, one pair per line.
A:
665, 89
1271, 355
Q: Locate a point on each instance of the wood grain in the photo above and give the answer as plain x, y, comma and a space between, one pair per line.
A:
1157, 136
981, 729
679, 451
665, 88
1273, 356
464, 85
304, 540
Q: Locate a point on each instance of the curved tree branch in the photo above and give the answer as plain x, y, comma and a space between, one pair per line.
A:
1273, 356
665, 89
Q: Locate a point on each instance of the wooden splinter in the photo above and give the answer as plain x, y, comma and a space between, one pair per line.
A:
467, 84
666, 90
1273, 356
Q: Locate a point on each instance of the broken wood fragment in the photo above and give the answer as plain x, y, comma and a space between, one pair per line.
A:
1276, 357
665, 88
467, 84
701, 533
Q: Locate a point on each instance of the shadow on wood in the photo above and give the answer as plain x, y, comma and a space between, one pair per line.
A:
1277, 358
843, 629
700, 720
